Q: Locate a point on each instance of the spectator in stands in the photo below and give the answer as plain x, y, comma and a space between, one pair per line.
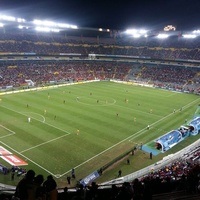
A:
137, 189
50, 187
25, 186
38, 192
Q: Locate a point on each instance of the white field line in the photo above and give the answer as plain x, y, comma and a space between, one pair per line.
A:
139, 111
35, 114
130, 137
66, 132
26, 157
44, 143
21, 113
11, 132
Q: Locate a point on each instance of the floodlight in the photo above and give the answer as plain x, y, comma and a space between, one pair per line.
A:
162, 36
42, 29
36, 21
196, 31
108, 30
66, 26
20, 27
189, 36
48, 23
136, 35
73, 26
1, 25
131, 31
7, 18
44, 23
63, 25
100, 29
142, 31
55, 30
20, 20
46, 29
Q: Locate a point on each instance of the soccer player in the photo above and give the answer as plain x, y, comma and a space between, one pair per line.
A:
134, 119
148, 127
29, 119
77, 132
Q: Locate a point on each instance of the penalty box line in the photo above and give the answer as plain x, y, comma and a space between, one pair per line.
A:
62, 130
7, 129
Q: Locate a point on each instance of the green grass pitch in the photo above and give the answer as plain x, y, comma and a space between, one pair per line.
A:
110, 117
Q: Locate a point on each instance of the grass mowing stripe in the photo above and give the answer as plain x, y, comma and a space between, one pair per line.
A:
100, 127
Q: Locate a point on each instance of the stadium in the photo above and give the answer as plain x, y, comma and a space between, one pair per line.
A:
109, 109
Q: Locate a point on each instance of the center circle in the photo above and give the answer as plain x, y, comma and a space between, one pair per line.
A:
96, 100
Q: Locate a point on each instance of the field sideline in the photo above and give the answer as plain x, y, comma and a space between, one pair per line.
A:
110, 117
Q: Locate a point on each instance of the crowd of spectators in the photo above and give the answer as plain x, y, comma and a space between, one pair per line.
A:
55, 43
15, 73
181, 175
175, 77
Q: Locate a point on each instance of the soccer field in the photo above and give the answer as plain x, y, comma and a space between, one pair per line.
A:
85, 126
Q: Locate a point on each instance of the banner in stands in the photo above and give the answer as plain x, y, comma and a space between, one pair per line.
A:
89, 178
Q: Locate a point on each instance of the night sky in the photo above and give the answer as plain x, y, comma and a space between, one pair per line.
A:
113, 14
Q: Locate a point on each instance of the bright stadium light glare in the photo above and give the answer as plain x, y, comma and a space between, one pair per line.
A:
20, 27
142, 31
108, 30
7, 18
131, 31
42, 29
100, 29
46, 29
49, 23
55, 30
196, 31
190, 36
20, 20
136, 35
162, 36
38, 22
67, 26
46, 23
73, 26
63, 25
1, 25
